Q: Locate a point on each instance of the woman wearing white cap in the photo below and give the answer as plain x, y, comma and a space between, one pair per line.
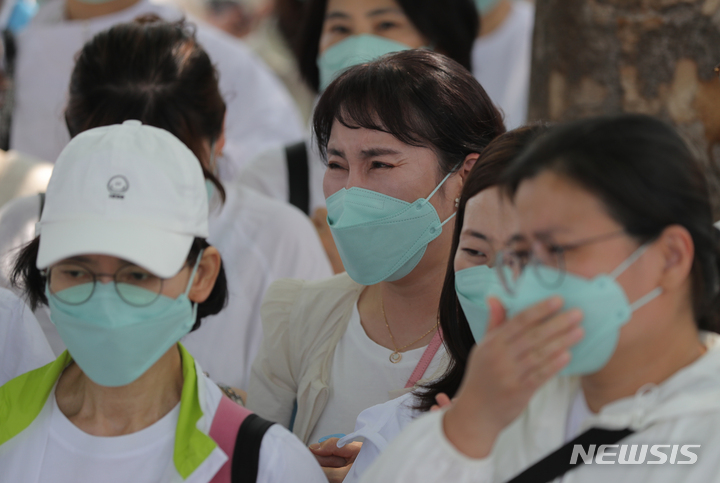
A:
260, 239
122, 262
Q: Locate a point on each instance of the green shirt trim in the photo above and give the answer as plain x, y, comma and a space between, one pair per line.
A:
22, 399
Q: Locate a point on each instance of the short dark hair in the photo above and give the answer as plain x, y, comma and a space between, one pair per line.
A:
457, 336
421, 97
27, 277
153, 71
646, 177
450, 26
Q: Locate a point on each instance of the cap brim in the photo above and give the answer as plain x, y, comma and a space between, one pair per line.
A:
161, 252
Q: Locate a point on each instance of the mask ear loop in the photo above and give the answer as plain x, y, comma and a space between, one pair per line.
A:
624, 266
190, 282
427, 200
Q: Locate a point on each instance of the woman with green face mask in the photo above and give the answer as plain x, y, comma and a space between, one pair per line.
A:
335, 35
123, 264
399, 134
601, 345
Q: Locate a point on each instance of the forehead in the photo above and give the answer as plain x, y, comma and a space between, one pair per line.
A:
361, 7
492, 214
343, 137
550, 202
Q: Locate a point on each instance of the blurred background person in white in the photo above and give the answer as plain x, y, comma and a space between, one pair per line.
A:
260, 112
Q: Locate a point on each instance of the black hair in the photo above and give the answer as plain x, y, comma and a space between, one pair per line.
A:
457, 336
153, 71
421, 97
27, 277
450, 26
647, 179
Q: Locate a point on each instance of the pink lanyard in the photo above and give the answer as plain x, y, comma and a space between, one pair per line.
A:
425, 360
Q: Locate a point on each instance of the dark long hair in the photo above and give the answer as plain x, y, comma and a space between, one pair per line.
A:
421, 97
457, 337
153, 71
647, 179
27, 277
450, 26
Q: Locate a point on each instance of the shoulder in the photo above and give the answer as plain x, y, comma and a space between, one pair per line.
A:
284, 458
328, 292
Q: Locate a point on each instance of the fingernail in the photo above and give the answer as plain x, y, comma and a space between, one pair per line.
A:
555, 303
314, 446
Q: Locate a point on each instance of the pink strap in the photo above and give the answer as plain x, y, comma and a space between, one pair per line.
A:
225, 426
425, 360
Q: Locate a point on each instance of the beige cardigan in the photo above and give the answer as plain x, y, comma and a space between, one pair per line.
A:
302, 324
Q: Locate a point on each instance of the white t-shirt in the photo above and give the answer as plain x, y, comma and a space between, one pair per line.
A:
268, 174
363, 376
260, 113
579, 412
501, 63
260, 240
22, 344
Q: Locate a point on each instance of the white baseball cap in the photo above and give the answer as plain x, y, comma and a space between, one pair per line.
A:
130, 191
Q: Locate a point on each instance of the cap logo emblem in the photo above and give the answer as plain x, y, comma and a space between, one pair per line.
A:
117, 186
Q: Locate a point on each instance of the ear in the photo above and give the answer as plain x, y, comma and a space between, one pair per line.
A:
467, 165
206, 275
678, 250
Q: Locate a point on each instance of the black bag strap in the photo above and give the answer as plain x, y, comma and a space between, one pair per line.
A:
246, 456
296, 157
558, 463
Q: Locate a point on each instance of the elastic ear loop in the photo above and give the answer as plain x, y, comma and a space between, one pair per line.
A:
190, 282
624, 266
427, 200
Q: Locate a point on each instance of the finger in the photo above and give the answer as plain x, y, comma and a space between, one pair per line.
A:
336, 475
331, 461
327, 447
534, 315
443, 400
540, 336
536, 378
497, 313
544, 353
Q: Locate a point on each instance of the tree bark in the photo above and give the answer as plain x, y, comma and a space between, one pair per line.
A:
594, 57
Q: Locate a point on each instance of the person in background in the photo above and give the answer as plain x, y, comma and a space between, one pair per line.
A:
260, 113
502, 55
126, 273
602, 328
400, 135
334, 35
486, 222
260, 239
23, 346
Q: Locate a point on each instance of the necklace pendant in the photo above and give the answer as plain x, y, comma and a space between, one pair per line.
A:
395, 357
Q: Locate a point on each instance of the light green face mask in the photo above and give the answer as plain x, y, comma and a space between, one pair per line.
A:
381, 238
484, 6
353, 51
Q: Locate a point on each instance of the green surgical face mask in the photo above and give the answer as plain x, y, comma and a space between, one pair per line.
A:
354, 50
381, 238
484, 6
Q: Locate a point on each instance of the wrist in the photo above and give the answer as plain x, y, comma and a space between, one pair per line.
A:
469, 431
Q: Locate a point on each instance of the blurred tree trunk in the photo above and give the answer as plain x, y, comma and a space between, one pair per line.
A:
593, 57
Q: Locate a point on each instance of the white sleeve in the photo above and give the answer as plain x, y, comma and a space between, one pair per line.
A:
267, 173
422, 453
23, 346
283, 458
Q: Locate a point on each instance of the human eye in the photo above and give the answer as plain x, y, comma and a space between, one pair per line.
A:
339, 29
335, 165
386, 25
380, 165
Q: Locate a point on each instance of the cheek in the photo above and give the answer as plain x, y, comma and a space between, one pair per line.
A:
333, 181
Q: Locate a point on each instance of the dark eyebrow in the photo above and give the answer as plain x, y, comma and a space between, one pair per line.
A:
335, 152
382, 11
81, 259
475, 234
374, 152
516, 238
336, 14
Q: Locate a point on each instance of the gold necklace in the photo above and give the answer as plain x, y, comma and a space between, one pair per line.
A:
396, 356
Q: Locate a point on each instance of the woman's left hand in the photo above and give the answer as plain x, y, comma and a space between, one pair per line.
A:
336, 462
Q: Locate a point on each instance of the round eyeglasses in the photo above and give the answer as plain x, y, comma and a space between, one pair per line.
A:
74, 284
511, 263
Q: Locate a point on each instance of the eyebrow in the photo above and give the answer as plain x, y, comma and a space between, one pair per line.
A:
516, 238
336, 14
382, 11
374, 152
475, 234
336, 152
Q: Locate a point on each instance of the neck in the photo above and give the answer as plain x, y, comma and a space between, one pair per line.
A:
653, 363
114, 411
78, 10
492, 20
